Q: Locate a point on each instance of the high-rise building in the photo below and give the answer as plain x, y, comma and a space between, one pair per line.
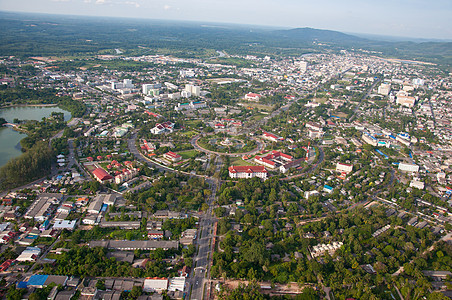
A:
302, 65
384, 89
193, 89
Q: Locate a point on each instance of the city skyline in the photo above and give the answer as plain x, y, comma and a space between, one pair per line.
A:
401, 18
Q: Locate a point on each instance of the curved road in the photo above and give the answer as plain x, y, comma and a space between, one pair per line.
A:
194, 143
312, 169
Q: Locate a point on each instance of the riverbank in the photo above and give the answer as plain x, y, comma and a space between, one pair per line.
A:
12, 135
27, 105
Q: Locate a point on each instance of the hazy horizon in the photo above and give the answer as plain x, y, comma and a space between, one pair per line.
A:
416, 19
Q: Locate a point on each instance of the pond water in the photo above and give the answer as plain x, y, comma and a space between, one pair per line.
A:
9, 138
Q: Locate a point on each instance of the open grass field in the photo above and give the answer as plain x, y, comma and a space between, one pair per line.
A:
241, 162
188, 154
258, 106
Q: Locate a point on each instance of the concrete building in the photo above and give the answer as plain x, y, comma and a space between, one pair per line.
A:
135, 245
253, 97
190, 105
193, 90
173, 157
384, 89
347, 168
247, 172
301, 65
102, 176
369, 139
408, 167
155, 285
321, 249
65, 224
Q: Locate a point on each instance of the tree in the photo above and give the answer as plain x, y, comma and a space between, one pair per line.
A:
136, 292
254, 253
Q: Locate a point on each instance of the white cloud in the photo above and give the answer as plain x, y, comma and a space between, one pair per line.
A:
136, 4
166, 7
60, 0
101, 1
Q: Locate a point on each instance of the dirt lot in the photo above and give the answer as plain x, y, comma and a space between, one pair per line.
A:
266, 288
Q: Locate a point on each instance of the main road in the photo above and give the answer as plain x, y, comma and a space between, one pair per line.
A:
201, 272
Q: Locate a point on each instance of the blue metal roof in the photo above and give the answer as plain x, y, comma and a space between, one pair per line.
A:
37, 280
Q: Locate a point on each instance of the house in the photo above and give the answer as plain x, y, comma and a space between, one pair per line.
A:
185, 271
314, 126
65, 224
315, 134
308, 194
328, 189
321, 249
188, 236
171, 156
247, 172
155, 234
6, 264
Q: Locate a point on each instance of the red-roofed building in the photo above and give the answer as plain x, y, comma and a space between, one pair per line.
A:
265, 162
271, 160
152, 114
247, 172
271, 137
219, 125
4, 266
171, 156
252, 97
347, 168
102, 176
163, 128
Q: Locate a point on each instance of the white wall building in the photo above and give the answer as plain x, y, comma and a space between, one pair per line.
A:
408, 167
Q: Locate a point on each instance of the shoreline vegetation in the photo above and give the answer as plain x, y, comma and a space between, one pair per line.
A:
30, 105
36, 159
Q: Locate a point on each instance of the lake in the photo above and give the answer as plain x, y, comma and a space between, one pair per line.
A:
9, 138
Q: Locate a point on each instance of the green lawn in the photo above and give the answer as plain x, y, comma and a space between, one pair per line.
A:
258, 106
189, 133
241, 162
188, 154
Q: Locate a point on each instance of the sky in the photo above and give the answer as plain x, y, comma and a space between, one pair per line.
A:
431, 19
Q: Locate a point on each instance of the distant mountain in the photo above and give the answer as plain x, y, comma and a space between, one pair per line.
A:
307, 34
45, 35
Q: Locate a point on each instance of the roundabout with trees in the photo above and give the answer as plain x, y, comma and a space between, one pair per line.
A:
225, 144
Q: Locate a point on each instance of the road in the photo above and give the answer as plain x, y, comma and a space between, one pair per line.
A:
201, 273
194, 143
362, 98
131, 144
312, 169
